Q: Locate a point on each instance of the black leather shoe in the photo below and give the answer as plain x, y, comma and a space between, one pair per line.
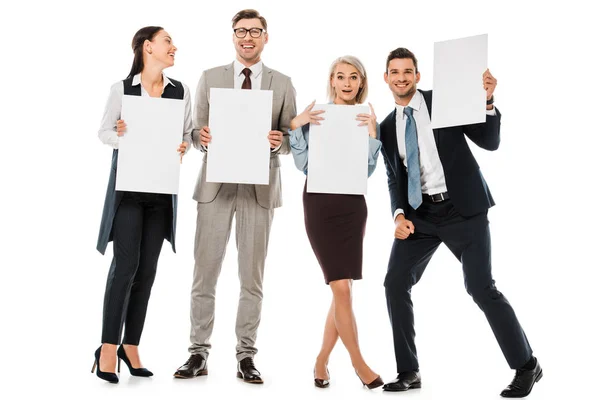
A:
404, 381
523, 381
194, 366
248, 372
133, 371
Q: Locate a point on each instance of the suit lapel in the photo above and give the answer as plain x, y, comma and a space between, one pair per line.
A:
392, 140
436, 136
428, 96
267, 77
228, 76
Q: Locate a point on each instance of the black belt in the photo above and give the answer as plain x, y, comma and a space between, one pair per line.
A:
436, 198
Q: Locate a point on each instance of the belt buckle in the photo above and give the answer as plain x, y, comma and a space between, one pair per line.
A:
437, 198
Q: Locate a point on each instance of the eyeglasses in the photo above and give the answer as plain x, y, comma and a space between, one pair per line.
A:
254, 32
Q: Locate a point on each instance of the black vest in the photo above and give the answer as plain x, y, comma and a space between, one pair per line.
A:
170, 91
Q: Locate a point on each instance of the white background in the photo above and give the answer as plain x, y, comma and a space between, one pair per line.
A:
58, 62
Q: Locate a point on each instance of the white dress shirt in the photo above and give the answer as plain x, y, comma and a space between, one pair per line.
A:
112, 112
255, 76
433, 180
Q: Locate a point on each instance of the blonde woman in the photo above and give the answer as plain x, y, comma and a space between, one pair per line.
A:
335, 223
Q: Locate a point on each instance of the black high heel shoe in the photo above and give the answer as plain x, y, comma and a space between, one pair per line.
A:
107, 376
374, 384
133, 371
322, 383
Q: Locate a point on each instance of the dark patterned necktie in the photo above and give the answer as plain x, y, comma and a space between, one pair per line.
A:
247, 82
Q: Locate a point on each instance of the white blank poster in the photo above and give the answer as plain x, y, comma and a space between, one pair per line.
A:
458, 94
239, 122
338, 151
148, 158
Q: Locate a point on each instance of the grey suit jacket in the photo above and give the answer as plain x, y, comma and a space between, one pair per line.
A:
284, 110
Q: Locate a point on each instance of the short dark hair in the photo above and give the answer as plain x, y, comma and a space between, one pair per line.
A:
401, 52
248, 14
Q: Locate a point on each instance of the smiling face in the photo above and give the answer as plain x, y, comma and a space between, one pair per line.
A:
402, 78
161, 49
346, 83
249, 48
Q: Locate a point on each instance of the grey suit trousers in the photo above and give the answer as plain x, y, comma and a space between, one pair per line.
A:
253, 225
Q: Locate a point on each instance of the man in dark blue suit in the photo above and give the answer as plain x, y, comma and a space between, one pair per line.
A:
438, 195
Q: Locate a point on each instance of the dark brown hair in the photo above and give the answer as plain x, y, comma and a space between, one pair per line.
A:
137, 44
401, 52
248, 14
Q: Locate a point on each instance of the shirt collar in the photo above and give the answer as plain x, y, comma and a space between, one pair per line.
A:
138, 79
415, 104
256, 68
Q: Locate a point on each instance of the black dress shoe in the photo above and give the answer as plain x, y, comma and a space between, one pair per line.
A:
523, 382
404, 381
107, 376
322, 383
133, 371
194, 366
248, 372
374, 384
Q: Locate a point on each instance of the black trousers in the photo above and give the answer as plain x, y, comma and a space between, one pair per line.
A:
139, 229
469, 240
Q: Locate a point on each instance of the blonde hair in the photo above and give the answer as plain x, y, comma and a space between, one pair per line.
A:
361, 96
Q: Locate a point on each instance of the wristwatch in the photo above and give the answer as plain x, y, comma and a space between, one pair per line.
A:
490, 101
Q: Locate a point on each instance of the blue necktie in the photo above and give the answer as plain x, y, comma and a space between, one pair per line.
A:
415, 197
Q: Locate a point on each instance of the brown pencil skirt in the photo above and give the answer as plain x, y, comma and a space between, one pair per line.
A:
335, 225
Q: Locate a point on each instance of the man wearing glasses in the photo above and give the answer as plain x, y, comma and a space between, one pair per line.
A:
252, 205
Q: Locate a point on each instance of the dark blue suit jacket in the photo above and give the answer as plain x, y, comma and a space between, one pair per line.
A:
467, 189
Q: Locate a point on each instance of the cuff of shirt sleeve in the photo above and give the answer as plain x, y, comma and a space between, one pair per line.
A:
398, 211
114, 142
491, 112
295, 134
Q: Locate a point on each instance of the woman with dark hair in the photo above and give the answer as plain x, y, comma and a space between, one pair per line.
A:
136, 222
335, 223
